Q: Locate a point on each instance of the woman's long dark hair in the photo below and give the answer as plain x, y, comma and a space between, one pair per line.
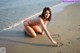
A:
43, 13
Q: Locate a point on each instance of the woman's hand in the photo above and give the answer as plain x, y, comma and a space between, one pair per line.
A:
55, 44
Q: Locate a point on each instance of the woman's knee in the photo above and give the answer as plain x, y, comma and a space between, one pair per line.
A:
30, 31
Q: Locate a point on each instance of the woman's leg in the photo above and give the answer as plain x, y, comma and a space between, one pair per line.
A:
37, 29
29, 30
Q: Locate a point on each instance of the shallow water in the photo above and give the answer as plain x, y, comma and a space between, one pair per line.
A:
13, 11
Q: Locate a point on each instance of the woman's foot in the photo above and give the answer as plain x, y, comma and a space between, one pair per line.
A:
25, 32
27, 35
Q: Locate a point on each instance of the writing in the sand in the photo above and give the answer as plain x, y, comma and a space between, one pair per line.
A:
2, 49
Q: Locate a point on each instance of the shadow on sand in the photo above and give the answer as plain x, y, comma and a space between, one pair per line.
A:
17, 34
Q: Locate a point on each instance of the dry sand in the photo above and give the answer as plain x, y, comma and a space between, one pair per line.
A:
65, 29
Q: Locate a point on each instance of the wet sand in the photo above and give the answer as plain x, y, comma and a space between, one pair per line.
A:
65, 29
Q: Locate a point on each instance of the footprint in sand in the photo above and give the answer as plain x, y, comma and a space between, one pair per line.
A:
78, 38
75, 28
59, 52
78, 25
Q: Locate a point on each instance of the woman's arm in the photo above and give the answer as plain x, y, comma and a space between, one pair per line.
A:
45, 23
46, 31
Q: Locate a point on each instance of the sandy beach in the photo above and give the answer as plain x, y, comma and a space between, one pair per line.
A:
65, 29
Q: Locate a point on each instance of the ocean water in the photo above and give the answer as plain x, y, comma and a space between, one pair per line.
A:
13, 11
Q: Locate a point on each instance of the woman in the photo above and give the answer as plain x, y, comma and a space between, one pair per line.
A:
32, 25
